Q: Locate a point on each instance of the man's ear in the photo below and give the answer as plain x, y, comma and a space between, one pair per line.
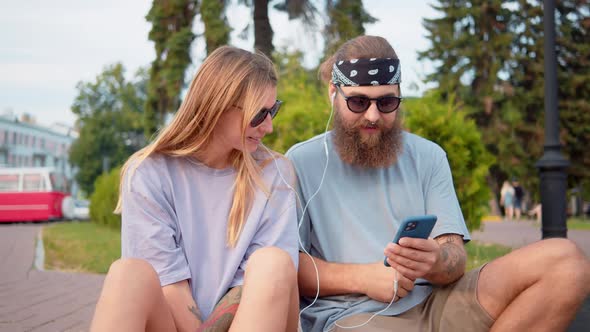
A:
332, 92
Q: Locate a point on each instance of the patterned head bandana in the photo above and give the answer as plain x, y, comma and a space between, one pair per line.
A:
366, 72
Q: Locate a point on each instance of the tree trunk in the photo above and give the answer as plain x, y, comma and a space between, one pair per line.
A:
262, 29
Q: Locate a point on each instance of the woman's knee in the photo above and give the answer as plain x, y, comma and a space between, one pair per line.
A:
275, 263
132, 271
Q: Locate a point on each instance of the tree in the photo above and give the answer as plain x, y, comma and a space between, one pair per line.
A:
263, 32
471, 49
527, 77
217, 28
171, 32
573, 57
109, 114
491, 54
262, 29
347, 20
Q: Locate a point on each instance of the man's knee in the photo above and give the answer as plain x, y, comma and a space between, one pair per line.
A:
559, 250
275, 263
568, 261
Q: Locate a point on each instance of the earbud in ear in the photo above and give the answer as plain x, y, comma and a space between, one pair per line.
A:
333, 96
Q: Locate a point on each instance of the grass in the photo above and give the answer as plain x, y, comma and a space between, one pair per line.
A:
578, 223
88, 247
479, 253
80, 247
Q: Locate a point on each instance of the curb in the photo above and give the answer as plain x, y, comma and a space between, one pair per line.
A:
39, 252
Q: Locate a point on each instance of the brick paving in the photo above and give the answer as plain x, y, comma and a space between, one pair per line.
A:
33, 300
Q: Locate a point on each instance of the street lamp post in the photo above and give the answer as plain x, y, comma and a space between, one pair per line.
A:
553, 165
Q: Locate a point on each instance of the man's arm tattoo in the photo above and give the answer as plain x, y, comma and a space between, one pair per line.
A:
453, 255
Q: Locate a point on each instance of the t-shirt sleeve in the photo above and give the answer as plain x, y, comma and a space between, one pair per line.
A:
441, 200
149, 229
278, 227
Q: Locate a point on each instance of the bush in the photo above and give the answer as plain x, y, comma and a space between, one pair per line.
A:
306, 107
445, 123
104, 200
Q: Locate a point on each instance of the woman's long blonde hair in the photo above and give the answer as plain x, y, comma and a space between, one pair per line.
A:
228, 77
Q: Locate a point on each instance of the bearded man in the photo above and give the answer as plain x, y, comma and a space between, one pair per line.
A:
361, 180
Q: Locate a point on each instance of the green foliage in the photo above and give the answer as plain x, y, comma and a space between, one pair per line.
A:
481, 253
109, 114
305, 108
104, 200
578, 224
172, 35
217, 28
347, 20
445, 123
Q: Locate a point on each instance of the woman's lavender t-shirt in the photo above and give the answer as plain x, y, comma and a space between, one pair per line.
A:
175, 216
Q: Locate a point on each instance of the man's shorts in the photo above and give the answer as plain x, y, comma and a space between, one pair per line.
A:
451, 308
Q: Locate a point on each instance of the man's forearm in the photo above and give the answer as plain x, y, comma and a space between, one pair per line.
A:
452, 260
335, 278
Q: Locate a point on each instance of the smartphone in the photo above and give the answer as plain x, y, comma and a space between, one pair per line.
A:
416, 227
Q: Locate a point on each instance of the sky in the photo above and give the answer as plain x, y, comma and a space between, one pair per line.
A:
47, 47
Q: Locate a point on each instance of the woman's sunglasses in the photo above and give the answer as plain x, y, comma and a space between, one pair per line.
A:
359, 104
261, 115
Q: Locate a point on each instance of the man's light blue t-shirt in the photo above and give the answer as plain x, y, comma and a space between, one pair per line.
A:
358, 210
175, 216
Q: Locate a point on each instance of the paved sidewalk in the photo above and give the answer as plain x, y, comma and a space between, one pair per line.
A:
517, 234
33, 300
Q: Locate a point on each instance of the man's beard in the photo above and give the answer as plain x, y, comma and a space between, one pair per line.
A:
377, 150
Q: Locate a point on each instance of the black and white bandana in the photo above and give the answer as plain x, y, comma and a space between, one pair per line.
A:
363, 72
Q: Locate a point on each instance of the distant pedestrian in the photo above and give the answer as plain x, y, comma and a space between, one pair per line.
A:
507, 199
518, 198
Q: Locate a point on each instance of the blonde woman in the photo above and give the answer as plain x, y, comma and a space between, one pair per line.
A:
209, 230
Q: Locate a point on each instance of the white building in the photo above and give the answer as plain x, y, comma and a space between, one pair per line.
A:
25, 144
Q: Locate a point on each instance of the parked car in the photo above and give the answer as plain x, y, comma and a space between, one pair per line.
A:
81, 209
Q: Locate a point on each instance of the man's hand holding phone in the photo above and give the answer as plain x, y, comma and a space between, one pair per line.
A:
411, 252
413, 257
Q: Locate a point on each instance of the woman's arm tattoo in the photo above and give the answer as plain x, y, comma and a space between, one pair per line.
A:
195, 311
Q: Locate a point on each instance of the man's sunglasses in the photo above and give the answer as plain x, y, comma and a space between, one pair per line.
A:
359, 104
261, 115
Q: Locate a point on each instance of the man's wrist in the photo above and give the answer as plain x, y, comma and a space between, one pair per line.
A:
359, 281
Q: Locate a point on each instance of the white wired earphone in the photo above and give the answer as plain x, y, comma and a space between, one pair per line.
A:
300, 222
